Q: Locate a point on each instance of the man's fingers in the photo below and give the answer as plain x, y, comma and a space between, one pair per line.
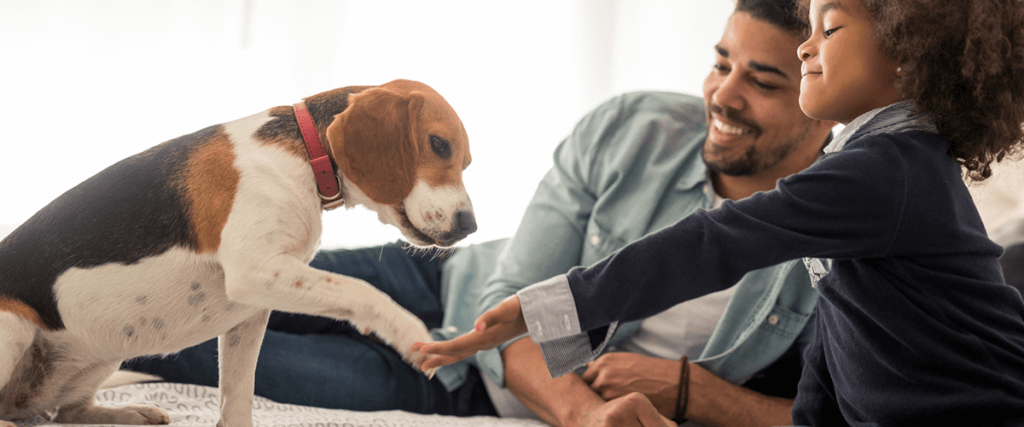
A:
633, 409
590, 375
644, 410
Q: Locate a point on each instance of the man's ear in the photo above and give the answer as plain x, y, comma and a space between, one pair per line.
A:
374, 142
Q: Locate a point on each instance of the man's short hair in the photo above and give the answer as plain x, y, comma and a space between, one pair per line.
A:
781, 13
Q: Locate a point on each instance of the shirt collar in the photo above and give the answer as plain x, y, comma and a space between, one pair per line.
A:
893, 118
697, 174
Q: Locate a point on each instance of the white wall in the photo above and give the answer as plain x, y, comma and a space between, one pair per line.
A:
87, 82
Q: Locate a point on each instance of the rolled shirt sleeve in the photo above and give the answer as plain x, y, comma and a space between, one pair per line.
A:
550, 313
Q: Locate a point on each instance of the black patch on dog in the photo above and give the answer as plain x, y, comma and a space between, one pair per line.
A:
132, 210
197, 298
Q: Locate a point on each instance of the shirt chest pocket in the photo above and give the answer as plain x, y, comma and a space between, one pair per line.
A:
599, 243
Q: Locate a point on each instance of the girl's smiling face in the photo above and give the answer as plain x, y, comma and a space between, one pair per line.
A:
844, 72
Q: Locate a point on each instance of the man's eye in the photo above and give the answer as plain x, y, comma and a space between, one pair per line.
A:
764, 86
441, 147
720, 67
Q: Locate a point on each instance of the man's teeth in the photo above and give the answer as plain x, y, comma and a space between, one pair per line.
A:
729, 129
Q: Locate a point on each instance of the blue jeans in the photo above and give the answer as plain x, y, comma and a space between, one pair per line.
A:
315, 361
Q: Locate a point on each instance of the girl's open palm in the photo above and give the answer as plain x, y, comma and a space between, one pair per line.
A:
494, 327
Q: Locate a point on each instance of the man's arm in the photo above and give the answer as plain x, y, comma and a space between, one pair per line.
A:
712, 401
568, 399
564, 401
717, 402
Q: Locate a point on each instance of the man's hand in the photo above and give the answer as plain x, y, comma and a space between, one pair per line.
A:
618, 374
633, 409
496, 326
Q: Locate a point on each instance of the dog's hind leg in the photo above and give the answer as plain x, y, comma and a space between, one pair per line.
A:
16, 336
239, 349
85, 410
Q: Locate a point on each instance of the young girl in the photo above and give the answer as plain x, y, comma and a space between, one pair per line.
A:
914, 323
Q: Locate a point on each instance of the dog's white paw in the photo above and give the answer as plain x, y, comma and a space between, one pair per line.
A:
400, 329
132, 415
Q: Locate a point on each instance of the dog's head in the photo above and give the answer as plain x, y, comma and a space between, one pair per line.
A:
401, 150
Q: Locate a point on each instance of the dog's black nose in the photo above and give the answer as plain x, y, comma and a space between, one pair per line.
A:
466, 222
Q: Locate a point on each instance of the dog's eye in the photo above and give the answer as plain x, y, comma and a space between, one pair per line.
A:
441, 147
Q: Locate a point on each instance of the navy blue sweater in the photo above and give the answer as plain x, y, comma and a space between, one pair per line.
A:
914, 321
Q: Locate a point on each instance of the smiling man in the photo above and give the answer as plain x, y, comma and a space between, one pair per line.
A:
644, 161
757, 133
635, 164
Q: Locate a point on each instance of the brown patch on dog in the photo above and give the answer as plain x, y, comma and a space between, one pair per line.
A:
211, 181
23, 311
373, 143
19, 396
436, 118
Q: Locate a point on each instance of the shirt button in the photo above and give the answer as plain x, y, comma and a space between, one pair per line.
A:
594, 240
773, 319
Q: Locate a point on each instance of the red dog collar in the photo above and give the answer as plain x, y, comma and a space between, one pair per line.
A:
327, 182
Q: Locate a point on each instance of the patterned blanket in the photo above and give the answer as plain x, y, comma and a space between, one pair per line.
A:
192, 405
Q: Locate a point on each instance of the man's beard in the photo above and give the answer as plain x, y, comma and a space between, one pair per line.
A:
750, 162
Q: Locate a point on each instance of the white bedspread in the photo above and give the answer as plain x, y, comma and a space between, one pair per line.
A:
192, 405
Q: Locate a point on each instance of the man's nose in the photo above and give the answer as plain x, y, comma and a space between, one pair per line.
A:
729, 93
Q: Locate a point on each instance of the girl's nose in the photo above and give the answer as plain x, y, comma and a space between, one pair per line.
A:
804, 52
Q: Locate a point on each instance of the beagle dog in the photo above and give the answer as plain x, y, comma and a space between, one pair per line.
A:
203, 235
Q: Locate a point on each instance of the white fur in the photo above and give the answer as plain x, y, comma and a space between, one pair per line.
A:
180, 298
432, 209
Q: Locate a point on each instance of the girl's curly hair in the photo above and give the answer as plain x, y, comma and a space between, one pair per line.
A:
963, 62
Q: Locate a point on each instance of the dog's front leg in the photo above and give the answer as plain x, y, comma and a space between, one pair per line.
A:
239, 348
287, 284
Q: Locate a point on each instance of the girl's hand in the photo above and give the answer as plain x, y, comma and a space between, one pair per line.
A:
496, 326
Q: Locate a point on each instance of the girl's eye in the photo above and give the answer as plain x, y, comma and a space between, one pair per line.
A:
828, 33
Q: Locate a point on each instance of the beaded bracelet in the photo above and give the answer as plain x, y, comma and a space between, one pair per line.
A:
684, 391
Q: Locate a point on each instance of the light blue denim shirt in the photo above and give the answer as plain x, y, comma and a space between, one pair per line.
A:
630, 167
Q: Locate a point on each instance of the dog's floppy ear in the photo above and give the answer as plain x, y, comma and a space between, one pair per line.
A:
374, 142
